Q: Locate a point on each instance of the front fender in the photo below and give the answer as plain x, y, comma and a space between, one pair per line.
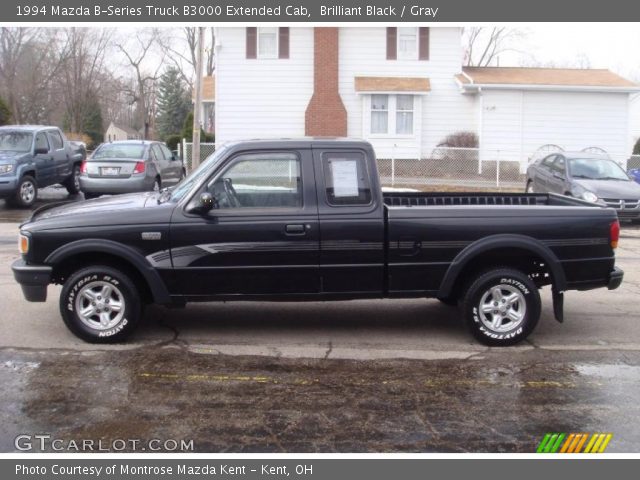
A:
153, 279
494, 242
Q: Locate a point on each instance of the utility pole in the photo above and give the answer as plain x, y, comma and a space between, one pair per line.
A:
197, 107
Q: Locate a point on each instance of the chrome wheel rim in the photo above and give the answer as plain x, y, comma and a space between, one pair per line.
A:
100, 305
27, 192
502, 308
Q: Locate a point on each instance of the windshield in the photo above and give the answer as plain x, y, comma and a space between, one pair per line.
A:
596, 169
197, 175
133, 151
15, 141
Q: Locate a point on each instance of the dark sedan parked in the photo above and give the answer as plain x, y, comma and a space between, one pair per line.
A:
593, 178
130, 166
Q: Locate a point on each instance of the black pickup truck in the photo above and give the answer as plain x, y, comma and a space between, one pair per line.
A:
307, 220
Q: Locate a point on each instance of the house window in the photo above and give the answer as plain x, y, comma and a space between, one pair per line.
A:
392, 114
408, 43
379, 114
404, 114
267, 42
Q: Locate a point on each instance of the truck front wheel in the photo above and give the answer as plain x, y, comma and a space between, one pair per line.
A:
26, 193
501, 307
100, 304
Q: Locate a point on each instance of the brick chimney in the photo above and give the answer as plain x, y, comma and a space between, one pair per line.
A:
325, 114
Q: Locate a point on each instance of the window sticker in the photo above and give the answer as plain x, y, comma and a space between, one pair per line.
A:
345, 177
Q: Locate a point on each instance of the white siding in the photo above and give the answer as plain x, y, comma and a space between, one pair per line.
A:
262, 98
634, 118
517, 121
443, 111
501, 121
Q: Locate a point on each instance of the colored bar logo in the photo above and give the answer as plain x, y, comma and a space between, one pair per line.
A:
574, 443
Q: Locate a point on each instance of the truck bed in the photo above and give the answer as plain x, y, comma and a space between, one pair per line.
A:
425, 199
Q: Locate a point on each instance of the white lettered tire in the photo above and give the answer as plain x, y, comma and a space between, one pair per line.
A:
100, 304
501, 307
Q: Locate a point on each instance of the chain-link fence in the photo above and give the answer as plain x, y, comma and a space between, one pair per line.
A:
632, 162
185, 151
445, 168
453, 168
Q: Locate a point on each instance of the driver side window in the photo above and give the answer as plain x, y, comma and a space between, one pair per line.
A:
259, 180
41, 141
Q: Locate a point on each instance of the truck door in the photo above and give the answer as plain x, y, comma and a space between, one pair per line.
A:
263, 237
45, 163
61, 157
351, 223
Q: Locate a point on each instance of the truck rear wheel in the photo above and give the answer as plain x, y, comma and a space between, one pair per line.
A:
72, 184
501, 307
100, 304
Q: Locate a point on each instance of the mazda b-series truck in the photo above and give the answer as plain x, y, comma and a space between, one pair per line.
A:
294, 220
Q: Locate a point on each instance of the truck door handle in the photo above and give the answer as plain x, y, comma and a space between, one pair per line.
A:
297, 229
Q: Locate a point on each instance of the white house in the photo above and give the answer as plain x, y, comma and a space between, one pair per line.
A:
404, 89
207, 112
119, 132
635, 117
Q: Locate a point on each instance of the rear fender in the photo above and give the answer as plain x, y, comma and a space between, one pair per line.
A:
494, 242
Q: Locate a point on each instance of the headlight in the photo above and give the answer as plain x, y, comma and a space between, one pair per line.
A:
6, 169
590, 197
23, 244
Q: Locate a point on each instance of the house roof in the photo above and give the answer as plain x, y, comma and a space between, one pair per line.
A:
129, 130
543, 77
392, 84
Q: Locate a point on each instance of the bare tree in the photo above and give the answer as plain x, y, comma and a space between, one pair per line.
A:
484, 45
580, 61
143, 91
30, 62
182, 48
82, 76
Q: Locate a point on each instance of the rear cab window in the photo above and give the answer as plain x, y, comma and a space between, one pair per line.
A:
346, 178
56, 139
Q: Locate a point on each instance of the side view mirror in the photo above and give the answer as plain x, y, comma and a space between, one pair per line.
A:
203, 203
41, 151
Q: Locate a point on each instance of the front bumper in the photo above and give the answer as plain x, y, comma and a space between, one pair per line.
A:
8, 186
33, 279
615, 278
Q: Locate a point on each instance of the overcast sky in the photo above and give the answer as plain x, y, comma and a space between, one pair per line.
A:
615, 46
606, 45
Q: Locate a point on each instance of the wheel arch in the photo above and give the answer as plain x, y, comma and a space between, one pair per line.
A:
484, 253
91, 251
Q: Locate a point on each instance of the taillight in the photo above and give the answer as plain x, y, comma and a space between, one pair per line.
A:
614, 234
139, 167
83, 167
